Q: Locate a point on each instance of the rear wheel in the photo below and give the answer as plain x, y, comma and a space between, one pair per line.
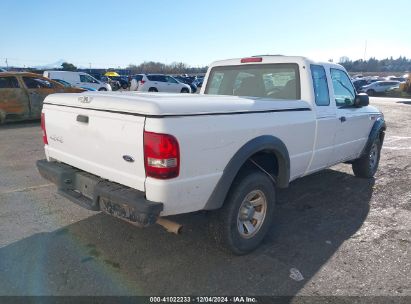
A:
370, 92
245, 218
102, 89
152, 90
185, 90
367, 165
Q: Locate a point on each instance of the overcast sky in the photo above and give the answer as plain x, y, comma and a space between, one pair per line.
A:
117, 33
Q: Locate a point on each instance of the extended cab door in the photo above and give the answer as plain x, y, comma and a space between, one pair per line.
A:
354, 122
326, 120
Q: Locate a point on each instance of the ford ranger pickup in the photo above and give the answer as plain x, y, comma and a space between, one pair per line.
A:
258, 124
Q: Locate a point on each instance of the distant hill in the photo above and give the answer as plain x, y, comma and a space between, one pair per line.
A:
54, 65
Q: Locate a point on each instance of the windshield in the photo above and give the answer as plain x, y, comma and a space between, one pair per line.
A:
65, 83
275, 81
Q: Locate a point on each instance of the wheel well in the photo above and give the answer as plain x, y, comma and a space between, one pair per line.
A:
265, 161
381, 136
265, 153
2, 117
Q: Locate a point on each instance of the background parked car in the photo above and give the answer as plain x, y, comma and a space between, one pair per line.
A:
114, 84
188, 81
68, 85
379, 87
78, 79
199, 82
122, 80
395, 78
159, 83
359, 83
22, 95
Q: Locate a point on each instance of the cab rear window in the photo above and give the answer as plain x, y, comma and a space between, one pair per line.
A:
274, 81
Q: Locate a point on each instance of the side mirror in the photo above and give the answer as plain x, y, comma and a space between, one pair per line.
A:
361, 100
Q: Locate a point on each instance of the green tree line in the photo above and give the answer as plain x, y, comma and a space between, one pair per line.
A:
401, 64
158, 67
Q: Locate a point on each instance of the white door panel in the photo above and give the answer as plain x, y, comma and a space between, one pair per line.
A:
353, 123
351, 134
324, 143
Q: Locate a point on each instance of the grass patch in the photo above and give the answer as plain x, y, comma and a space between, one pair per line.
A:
398, 94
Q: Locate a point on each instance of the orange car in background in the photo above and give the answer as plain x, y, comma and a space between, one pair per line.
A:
22, 95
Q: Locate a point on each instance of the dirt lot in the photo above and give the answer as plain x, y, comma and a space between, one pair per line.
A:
346, 236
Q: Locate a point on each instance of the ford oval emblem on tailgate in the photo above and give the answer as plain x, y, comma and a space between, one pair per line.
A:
85, 99
128, 158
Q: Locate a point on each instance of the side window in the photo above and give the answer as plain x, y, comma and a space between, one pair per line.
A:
8, 83
171, 79
36, 83
162, 78
344, 92
322, 96
152, 77
87, 78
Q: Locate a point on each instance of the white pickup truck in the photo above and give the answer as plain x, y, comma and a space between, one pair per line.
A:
257, 124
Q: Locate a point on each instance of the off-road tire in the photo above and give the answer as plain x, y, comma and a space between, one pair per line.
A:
366, 166
224, 222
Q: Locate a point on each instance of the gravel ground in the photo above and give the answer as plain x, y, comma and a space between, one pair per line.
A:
333, 234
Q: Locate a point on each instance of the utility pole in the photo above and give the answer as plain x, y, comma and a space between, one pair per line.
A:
7, 64
365, 49
89, 64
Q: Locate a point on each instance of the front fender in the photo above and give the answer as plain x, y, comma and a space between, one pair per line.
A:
378, 128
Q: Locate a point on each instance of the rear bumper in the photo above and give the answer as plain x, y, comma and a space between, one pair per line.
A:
95, 193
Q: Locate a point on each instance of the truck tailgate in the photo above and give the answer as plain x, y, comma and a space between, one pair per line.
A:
103, 143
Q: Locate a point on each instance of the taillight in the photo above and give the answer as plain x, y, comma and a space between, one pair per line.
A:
161, 155
251, 59
43, 128
142, 81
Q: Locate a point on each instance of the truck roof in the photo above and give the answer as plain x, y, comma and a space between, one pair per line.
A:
301, 60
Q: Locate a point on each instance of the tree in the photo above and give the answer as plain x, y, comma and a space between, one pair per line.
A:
402, 64
65, 66
158, 67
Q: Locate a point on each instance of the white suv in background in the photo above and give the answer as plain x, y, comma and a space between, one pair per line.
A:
379, 87
158, 83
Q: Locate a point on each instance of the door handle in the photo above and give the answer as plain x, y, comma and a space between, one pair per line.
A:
82, 118
343, 119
